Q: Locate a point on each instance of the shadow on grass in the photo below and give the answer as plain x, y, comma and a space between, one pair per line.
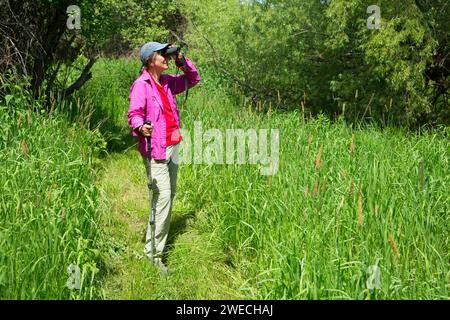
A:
178, 225
122, 141
118, 137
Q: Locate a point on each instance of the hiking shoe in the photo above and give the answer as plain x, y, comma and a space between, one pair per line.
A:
161, 266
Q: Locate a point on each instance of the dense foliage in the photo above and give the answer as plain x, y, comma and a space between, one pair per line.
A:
323, 53
49, 204
39, 39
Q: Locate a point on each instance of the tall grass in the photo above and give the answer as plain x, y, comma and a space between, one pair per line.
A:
49, 204
108, 91
343, 200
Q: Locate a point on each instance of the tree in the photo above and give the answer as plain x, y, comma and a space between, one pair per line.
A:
36, 39
323, 53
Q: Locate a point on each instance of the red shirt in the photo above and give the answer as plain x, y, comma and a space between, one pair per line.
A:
172, 133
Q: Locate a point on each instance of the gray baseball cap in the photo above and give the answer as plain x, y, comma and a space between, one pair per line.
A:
150, 47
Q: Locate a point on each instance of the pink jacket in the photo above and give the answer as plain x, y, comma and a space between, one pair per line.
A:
145, 104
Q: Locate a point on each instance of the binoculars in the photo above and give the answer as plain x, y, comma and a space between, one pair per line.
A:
170, 51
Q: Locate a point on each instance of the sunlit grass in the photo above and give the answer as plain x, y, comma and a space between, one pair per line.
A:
48, 204
343, 200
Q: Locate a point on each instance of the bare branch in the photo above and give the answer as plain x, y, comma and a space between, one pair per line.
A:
84, 76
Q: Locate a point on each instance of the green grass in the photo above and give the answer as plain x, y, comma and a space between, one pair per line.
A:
293, 243
284, 240
197, 269
308, 232
49, 204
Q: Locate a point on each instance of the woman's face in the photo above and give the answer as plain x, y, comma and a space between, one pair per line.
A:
159, 63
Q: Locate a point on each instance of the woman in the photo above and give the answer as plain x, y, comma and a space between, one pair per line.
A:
152, 99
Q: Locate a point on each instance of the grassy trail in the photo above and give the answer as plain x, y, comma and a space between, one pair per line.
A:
346, 207
197, 269
344, 201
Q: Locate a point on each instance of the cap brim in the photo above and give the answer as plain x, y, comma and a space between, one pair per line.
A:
162, 46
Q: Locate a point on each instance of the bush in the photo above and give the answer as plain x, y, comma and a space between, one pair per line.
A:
322, 54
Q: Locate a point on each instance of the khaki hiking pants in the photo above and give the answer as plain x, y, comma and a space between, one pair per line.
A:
164, 176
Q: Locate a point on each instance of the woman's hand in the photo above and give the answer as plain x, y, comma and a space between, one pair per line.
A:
179, 58
146, 130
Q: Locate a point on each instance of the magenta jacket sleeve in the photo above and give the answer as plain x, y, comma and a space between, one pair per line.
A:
136, 113
177, 83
